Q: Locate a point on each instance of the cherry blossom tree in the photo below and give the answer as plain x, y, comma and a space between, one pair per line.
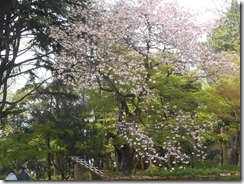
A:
120, 46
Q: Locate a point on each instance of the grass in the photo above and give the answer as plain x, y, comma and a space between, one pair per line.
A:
225, 172
201, 172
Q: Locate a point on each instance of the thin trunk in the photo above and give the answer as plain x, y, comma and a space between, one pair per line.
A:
224, 158
49, 159
106, 160
142, 163
118, 159
224, 148
225, 154
59, 166
221, 154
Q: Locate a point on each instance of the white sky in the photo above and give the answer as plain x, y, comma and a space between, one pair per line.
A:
201, 4
207, 8
210, 8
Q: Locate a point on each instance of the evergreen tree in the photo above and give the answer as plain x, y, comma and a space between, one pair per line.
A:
226, 35
28, 20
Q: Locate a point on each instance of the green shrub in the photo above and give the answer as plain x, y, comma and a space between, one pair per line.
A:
152, 170
87, 176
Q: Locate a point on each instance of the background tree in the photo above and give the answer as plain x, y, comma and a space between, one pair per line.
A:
225, 82
226, 35
27, 20
53, 128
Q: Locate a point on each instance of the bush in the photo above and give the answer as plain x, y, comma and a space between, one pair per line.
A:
87, 176
151, 170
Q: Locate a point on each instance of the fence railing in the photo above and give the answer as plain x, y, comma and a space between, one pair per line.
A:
82, 166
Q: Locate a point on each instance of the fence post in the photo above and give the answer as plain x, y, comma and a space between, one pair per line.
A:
78, 172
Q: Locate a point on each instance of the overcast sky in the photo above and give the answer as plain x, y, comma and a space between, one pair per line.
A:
207, 8
210, 8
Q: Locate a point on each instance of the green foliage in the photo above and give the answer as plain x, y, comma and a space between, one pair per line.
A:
53, 124
151, 170
226, 37
16, 149
39, 15
87, 176
175, 89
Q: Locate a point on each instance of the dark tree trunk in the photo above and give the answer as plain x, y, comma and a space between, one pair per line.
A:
234, 156
125, 159
49, 159
96, 162
106, 156
118, 159
234, 153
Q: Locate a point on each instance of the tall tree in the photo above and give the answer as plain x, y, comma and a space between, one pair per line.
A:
119, 47
224, 41
226, 35
27, 19
54, 127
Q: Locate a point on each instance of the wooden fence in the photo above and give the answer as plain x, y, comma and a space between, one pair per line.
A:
81, 166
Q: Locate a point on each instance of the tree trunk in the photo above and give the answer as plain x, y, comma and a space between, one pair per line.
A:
234, 153
49, 159
59, 166
224, 154
125, 159
106, 158
96, 162
142, 163
224, 147
234, 156
118, 159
